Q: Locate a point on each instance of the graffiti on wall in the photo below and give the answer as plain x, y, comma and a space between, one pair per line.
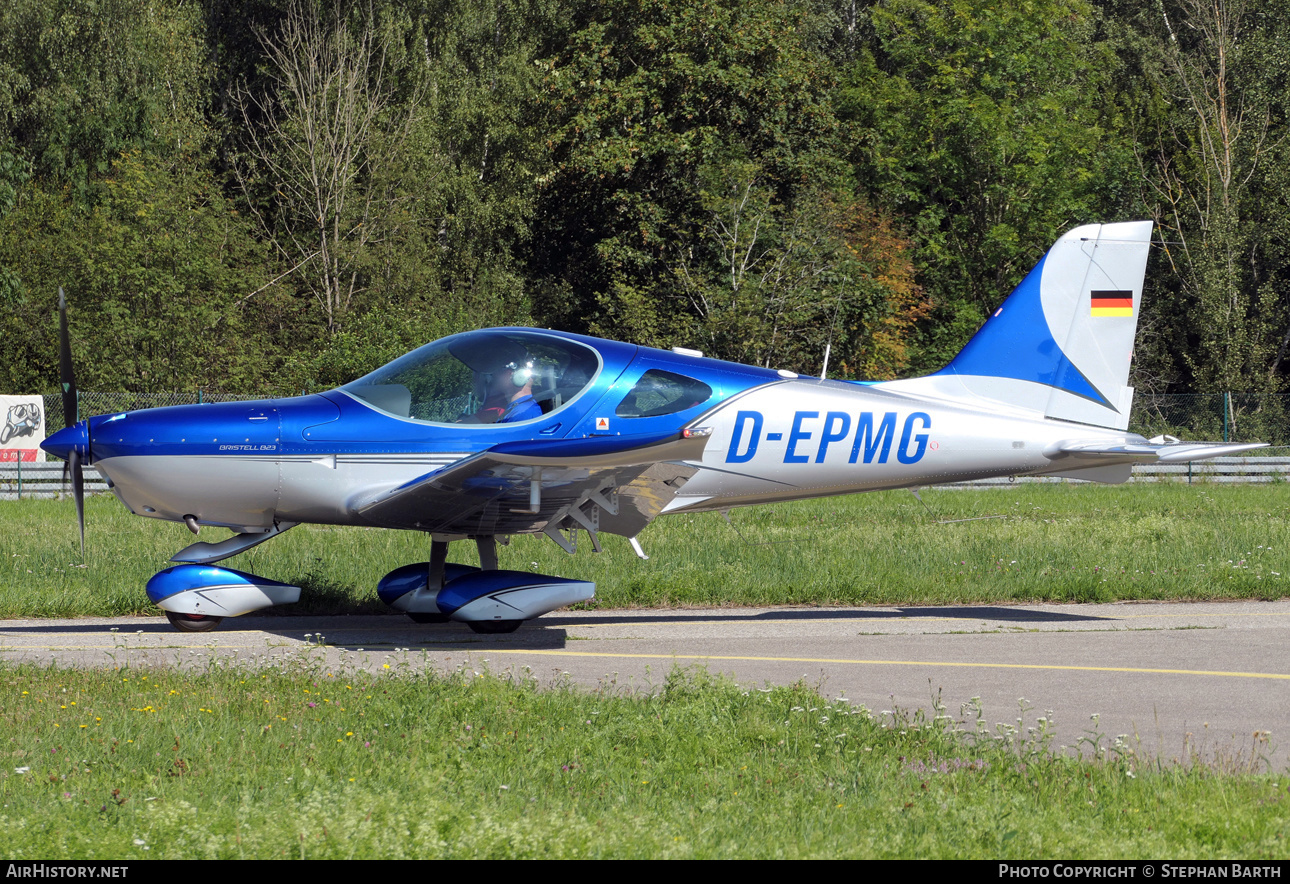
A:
22, 428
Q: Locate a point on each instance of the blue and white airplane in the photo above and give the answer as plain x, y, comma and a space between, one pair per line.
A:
524, 431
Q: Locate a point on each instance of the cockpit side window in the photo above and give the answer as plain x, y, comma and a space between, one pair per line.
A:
481, 377
661, 392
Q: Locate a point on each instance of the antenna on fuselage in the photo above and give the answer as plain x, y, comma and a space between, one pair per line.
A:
825, 370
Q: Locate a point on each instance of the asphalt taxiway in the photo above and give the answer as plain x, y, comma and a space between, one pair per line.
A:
1173, 680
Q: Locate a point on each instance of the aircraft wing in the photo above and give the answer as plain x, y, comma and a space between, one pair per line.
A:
616, 484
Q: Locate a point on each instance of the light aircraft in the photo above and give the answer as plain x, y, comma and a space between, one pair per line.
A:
506, 431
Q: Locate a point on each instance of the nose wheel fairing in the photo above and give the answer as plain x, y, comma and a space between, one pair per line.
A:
210, 591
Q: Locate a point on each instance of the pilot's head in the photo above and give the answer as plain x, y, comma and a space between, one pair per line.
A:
506, 372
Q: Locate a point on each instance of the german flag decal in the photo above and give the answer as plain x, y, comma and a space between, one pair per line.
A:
1111, 303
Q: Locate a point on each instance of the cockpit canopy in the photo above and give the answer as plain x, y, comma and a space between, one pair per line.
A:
448, 381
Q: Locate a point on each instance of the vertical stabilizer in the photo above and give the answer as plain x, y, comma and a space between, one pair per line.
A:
1062, 341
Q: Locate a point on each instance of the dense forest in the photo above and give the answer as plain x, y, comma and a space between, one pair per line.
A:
275, 195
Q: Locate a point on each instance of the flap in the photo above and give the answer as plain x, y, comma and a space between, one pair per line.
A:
517, 488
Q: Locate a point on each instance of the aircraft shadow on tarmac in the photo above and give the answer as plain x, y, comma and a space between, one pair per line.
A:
955, 612
334, 632
548, 631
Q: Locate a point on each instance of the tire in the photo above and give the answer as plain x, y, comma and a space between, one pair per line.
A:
4, 434
192, 622
422, 617
494, 627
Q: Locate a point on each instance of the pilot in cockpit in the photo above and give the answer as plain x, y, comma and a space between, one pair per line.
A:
504, 383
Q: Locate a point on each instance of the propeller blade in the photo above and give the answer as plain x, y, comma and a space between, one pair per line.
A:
78, 493
66, 377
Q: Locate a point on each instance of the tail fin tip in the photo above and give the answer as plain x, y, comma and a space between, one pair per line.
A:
1062, 341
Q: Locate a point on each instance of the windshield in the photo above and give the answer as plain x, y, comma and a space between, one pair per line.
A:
481, 377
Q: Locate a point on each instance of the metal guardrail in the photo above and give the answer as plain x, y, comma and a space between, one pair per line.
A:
36, 481
91, 403
43, 481
1222, 470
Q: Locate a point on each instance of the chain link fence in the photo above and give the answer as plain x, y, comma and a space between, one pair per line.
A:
111, 403
1194, 417
1213, 417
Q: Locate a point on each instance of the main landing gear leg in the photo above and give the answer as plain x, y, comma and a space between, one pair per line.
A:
487, 546
434, 582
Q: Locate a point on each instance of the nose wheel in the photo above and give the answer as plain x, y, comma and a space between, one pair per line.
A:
192, 622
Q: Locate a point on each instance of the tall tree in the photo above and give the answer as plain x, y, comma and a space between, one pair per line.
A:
82, 81
479, 148
463, 183
1222, 67
785, 285
643, 98
105, 190
322, 140
991, 128
156, 275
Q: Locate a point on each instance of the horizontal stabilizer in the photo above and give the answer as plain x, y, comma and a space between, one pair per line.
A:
1185, 452
1148, 452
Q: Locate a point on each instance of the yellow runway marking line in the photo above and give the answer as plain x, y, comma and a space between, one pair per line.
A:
1091, 619
843, 660
730, 659
1215, 614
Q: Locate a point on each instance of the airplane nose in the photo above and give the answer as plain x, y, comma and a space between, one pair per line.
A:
69, 439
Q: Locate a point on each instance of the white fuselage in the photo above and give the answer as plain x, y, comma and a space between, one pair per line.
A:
784, 441
812, 438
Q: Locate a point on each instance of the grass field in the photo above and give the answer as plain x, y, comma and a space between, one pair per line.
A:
1075, 543
298, 761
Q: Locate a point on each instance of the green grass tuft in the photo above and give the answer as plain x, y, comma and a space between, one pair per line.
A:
298, 761
1075, 543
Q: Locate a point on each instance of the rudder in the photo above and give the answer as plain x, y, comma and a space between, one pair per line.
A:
1062, 341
